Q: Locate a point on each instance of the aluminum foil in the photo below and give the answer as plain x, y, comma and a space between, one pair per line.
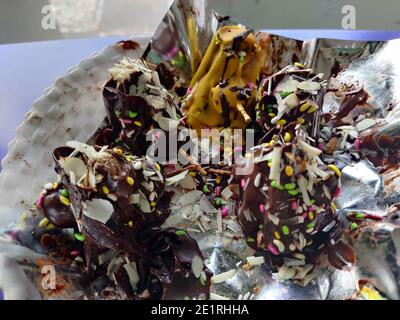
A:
180, 41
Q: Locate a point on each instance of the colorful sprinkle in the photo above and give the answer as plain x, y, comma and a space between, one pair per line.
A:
132, 114
273, 250
43, 223
287, 137
192, 174
126, 121
243, 183
55, 185
206, 189
335, 169
218, 201
180, 233
64, 192
310, 215
281, 122
153, 203
79, 237
305, 106
158, 167
300, 120
262, 208
50, 226
224, 212
218, 190
65, 201
130, 224
202, 279
277, 235
289, 171
275, 185
75, 253
39, 201
284, 94
295, 205
118, 151
360, 216
285, 230
289, 186
293, 192
105, 190
251, 240
353, 226
138, 123
311, 225
130, 181
357, 144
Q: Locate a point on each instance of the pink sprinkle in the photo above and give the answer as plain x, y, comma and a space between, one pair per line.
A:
251, 85
273, 250
295, 205
238, 149
39, 201
357, 144
75, 253
312, 208
337, 193
218, 190
171, 166
243, 183
264, 93
321, 146
262, 208
189, 90
224, 212
304, 215
157, 135
126, 121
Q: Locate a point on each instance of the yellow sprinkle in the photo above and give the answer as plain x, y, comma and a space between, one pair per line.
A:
50, 226
269, 164
333, 206
192, 173
335, 169
130, 223
43, 222
65, 201
305, 106
277, 235
287, 137
158, 167
300, 120
281, 122
105, 190
289, 171
298, 64
218, 179
228, 150
272, 115
272, 142
138, 123
55, 185
153, 203
311, 109
370, 294
118, 151
130, 181
310, 215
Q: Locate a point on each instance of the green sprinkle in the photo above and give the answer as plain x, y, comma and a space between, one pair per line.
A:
311, 225
132, 114
312, 201
118, 113
118, 140
64, 192
360, 216
353, 226
241, 59
218, 201
285, 230
275, 185
251, 240
79, 237
180, 233
202, 279
293, 192
205, 189
289, 186
284, 94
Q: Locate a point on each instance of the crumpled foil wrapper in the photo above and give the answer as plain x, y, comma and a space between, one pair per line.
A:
180, 41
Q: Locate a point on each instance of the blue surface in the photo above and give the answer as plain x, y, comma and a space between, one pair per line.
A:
1, 295
27, 69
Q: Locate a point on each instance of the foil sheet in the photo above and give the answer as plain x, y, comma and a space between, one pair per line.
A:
180, 41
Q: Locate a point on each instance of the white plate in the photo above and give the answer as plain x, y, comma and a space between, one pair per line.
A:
71, 109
